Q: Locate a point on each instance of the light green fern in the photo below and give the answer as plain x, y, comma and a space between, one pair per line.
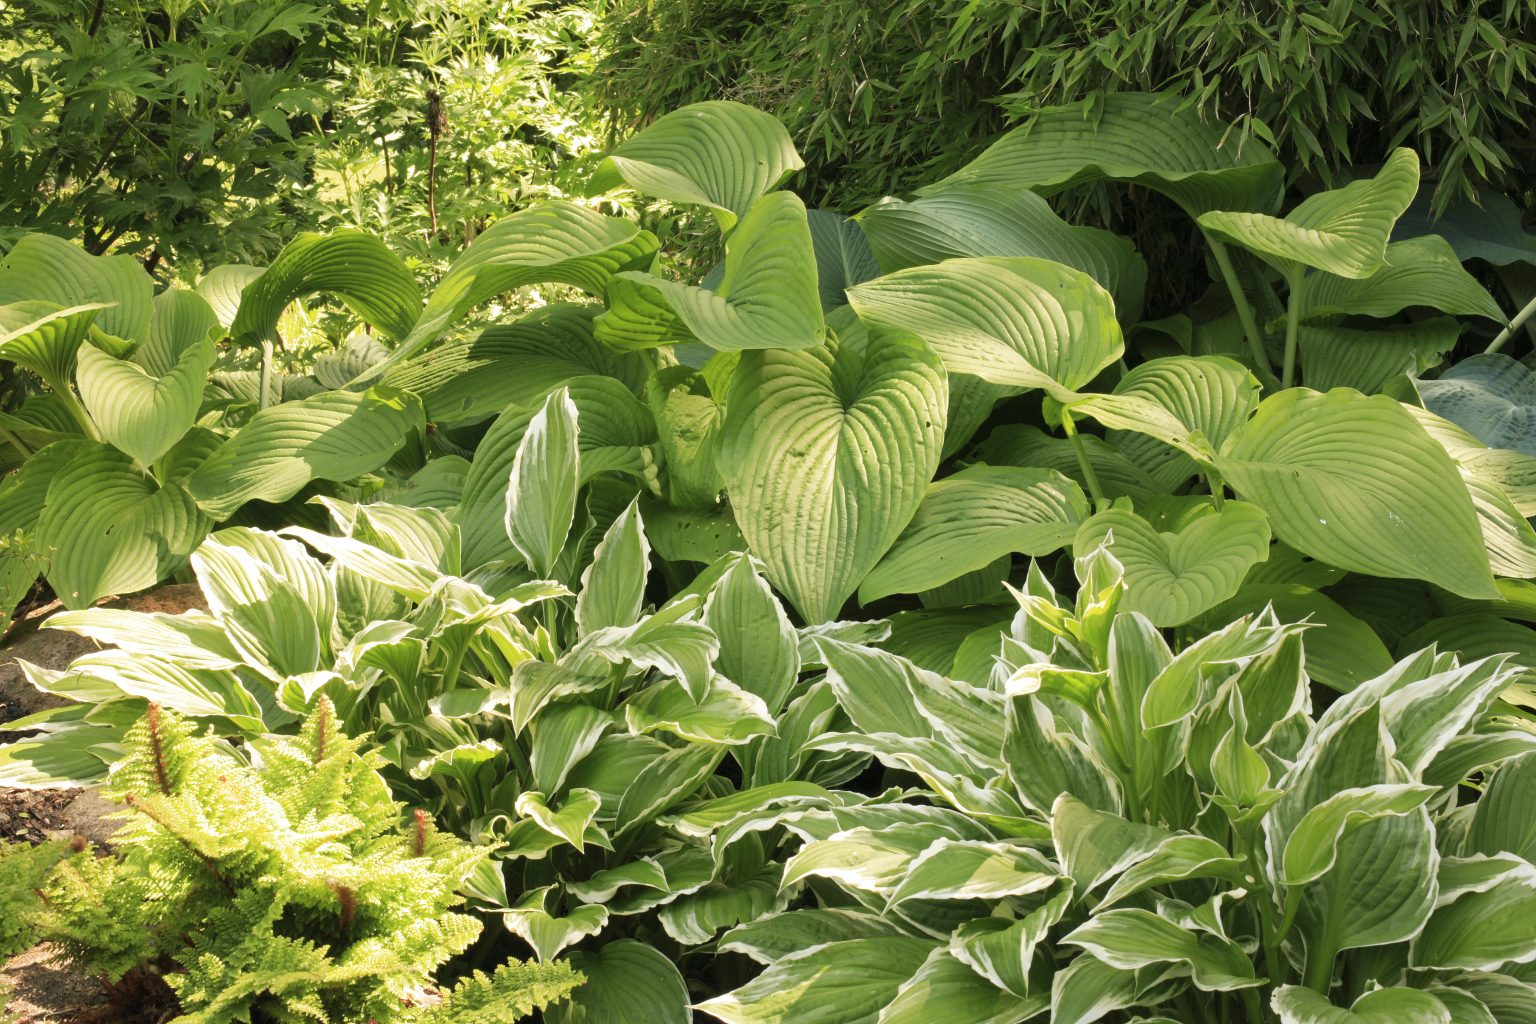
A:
514, 991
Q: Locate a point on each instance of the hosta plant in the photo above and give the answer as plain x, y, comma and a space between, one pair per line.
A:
294, 889
1112, 829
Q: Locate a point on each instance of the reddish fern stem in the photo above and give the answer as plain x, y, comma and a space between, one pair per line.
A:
157, 751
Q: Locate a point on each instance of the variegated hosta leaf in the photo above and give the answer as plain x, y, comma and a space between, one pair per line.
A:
759, 651
139, 413
352, 265
1010, 320
46, 268
968, 520
1172, 577
1357, 483
1132, 939
332, 436
768, 298
995, 220
844, 982
541, 497
1146, 138
1342, 232
1422, 271
826, 453
719, 154
944, 988
1297, 1005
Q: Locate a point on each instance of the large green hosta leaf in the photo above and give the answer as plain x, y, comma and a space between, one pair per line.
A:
552, 243
140, 414
1356, 482
1343, 232
182, 318
768, 298
826, 453
106, 527
1368, 360
1173, 577
990, 220
843, 256
970, 519
1191, 403
1008, 320
222, 287
719, 154
627, 982
44, 338
1137, 137
48, 269
1421, 271
1491, 396
331, 436
352, 265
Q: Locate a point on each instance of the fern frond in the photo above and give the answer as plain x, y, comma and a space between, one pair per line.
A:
514, 991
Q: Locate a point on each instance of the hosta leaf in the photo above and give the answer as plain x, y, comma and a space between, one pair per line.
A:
1009, 320
352, 265
768, 297
106, 527
1369, 360
1422, 271
628, 982
548, 934
222, 287
335, 369
826, 453
1491, 396
758, 648
1504, 820
332, 436
1297, 1005
697, 917
946, 989
1342, 232
720, 154
45, 268
838, 983
1482, 227
570, 822
613, 586
1173, 577
771, 939
1178, 858
1131, 939
552, 243
1357, 483
44, 339
541, 497
726, 714
1211, 394
963, 870
182, 319
273, 600
970, 519
843, 256
1019, 445
993, 220
1485, 924
136, 412
1001, 950
1093, 846
1311, 849
1137, 137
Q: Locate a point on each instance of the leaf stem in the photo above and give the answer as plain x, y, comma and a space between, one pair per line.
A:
15, 442
1240, 300
1292, 322
1214, 482
264, 382
1080, 449
1514, 325
76, 410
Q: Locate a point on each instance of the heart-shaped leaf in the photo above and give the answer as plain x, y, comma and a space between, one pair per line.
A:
843, 256
1356, 482
1422, 271
972, 518
826, 453
45, 339
627, 982
136, 412
768, 298
1297, 1005
48, 269
720, 154
1173, 577
1343, 232
1146, 138
1009, 320
1491, 396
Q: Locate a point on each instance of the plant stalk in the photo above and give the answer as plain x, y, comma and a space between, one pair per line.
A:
1292, 322
1514, 325
264, 382
1240, 300
1080, 449
15, 442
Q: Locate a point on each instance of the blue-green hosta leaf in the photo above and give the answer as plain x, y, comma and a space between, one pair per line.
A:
48, 269
548, 934
727, 714
1356, 482
964, 870
826, 453
1131, 939
944, 988
44, 338
719, 154
1342, 232
332, 436
1485, 227
843, 256
1369, 360
1146, 138
839, 983
552, 243
968, 520
137, 412
1297, 1005
1018, 321
352, 265
1492, 396
1485, 918
541, 497
106, 527
759, 651
993, 220
1422, 271
768, 297
1173, 577
628, 982
182, 320
222, 287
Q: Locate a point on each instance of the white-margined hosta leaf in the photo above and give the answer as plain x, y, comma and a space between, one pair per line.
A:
1356, 482
531, 920
137, 412
759, 651
960, 869
1019, 321
1486, 917
267, 613
997, 220
613, 586
826, 453
847, 982
46, 268
1297, 1005
719, 154
1131, 939
1149, 139
768, 298
726, 714
969, 519
1342, 232
541, 496
1173, 577
771, 939
332, 436
1423, 271
944, 988
352, 265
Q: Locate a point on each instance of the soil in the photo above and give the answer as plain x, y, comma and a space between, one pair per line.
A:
39, 986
